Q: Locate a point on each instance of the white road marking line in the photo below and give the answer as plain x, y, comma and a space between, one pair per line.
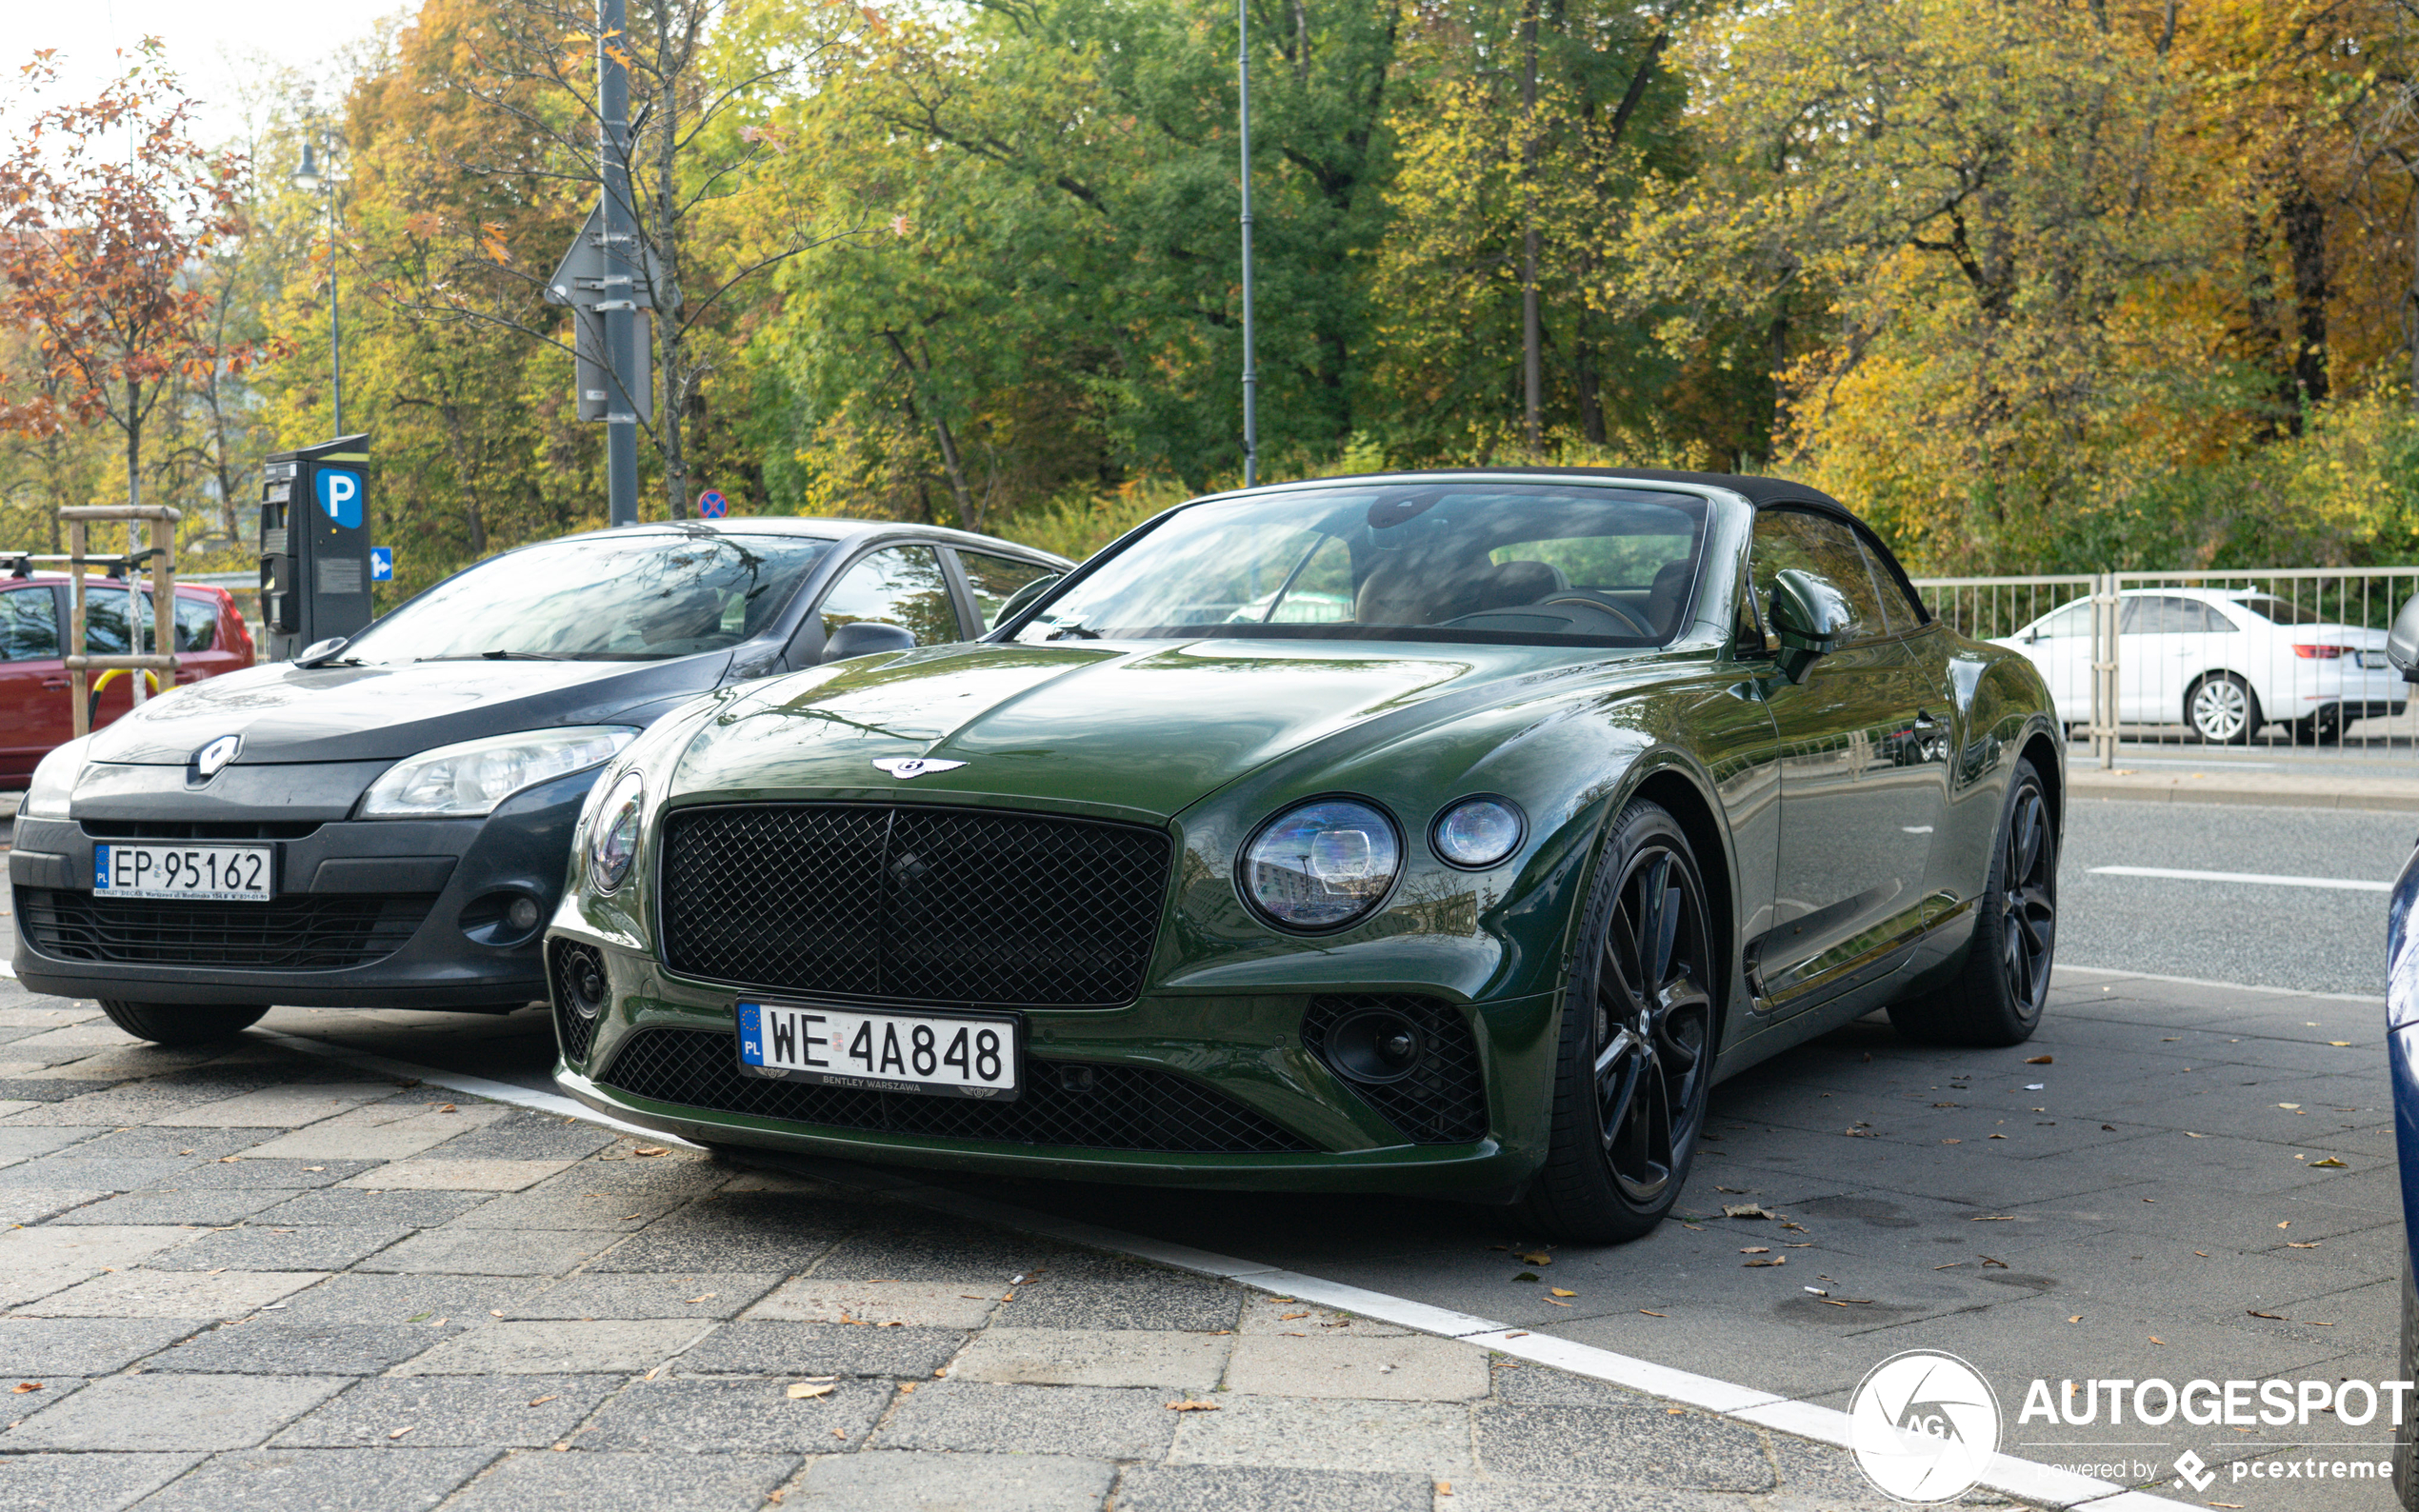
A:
2262, 878
2233, 987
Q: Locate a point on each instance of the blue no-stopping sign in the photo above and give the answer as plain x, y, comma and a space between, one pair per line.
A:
712, 506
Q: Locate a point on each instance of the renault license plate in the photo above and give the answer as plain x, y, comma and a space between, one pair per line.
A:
947, 1055
212, 873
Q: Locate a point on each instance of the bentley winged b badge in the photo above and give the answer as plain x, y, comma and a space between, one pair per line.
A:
903, 768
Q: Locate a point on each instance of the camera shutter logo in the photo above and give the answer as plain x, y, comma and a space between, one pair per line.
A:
1924, 1426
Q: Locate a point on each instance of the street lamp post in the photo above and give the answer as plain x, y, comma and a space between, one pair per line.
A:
310, 180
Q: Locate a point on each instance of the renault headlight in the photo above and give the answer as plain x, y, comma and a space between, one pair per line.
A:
53, 780
613, 838
1321, 865
469, 779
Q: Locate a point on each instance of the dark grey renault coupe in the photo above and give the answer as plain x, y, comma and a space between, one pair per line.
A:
385, 824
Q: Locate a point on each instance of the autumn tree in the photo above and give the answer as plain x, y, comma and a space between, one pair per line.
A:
105, 207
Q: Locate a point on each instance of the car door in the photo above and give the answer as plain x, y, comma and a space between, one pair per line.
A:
2059, 644
1859, 798
991, 580
2155, 652
892, 584
35, 712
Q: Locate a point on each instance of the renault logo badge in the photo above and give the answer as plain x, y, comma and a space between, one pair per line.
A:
212, 759
903, 768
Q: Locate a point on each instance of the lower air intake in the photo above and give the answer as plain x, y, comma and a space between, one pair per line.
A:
1443, 1099
325, 932
1078, 1106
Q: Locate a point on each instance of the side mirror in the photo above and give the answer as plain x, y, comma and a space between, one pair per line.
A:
866, 638
1810, 617
1021, 597
2402, 642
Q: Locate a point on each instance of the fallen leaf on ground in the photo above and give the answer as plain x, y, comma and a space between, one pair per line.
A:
1999, 1135
1999, 1264
1734, 1191
446, 1108
2340, 1045
2077, 1317
1540, 1258
801, 1390
2156, 1339
1951, 1265
694, 1300
2301, 1244
2330, 1161
909, 1389
1777, 1260
1994, 1218
2286, 1224
1756, 1249
2109, 1128
1289, 1316
398, 1433
1193, 1406
1559, 1292
540, 1401
2276, 1316
1526, 1274
1552, 1302
1744, 1210
2189, 1135
655, 1149
1655, 1314
2040, 1059
1952, 1142
24, 1386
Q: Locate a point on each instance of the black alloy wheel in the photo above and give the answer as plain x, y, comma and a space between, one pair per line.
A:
1637, 1043
1999, 993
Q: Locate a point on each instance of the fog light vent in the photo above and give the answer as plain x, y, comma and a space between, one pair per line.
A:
1414, 1059
581, 992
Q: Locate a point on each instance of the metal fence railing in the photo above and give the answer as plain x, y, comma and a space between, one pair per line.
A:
2286, 661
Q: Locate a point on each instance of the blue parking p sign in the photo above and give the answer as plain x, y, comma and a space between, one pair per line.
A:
382, 564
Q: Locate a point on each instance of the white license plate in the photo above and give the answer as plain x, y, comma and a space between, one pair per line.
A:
220, 873
949, 1055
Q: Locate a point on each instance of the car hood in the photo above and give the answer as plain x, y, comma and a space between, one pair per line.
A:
288, 713
1150, 728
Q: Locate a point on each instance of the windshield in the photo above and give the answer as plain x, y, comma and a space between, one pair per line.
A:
622, 598
1518, 564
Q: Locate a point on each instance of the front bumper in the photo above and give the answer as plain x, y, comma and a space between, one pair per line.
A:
1244, 1048
441, 882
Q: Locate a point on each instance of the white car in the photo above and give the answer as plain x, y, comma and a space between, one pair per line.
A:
2224, 661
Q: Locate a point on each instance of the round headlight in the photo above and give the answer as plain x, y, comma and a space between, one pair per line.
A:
1321, 865
1478, 833
612, 840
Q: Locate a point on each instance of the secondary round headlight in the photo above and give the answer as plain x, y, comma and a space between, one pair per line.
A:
464, 781
612, 840
1322, 864
1478, 833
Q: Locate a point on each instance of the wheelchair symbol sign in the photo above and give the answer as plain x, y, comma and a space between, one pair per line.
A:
340, 495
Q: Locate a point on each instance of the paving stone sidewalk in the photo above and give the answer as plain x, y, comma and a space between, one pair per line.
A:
248, 1277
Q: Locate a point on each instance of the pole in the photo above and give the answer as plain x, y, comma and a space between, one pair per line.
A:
1251, 371
335, 323
623, 364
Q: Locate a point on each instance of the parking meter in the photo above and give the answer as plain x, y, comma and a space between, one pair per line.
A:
314, 544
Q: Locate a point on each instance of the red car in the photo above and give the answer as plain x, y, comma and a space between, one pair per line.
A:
34, 710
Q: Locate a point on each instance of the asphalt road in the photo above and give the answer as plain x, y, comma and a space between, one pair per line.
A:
2137, 1216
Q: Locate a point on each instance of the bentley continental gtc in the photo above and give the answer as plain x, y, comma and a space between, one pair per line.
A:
385, 822
1448, 833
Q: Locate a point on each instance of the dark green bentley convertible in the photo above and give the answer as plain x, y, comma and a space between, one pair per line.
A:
1434, 832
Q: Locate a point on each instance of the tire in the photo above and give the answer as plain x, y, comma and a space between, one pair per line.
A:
2407, 1432
2003, 985
1634, 1072
179, 1023
2324, 727
2221, 709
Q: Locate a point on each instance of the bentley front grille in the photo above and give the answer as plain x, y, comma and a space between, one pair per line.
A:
302, 932
917, 901
1442, 1099
1062, 1104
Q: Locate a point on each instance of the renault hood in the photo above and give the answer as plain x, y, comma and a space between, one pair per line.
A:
288, 713
1151, 727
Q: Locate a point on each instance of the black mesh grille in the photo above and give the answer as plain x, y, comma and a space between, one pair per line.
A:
1444, 1100
307, 932
572, 1029
948, 904
1123, 1108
